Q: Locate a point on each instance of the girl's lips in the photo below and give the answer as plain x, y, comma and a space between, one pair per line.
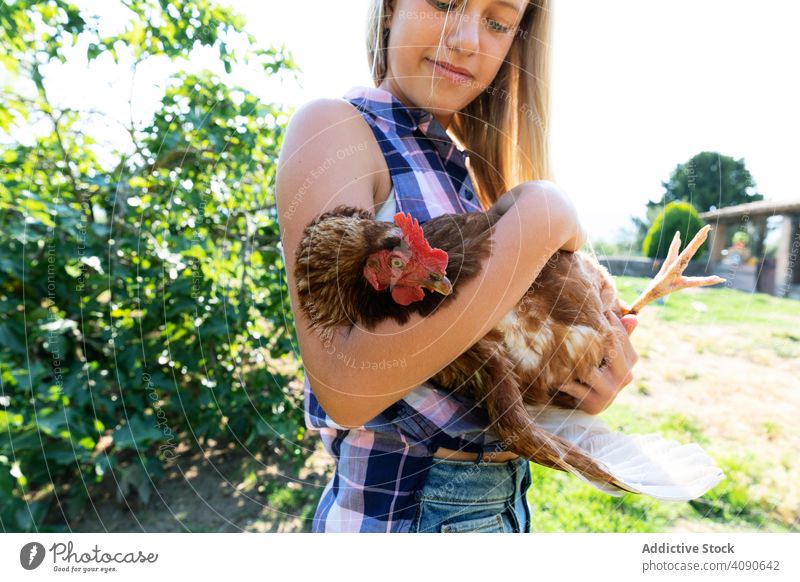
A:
449, 74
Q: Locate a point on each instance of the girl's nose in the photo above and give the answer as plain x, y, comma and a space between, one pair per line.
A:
462, 33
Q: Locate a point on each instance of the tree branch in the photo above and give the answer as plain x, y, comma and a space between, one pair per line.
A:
48, 111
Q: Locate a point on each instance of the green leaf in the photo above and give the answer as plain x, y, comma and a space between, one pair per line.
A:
87, 443
9, 339
8, 419
51, 424
137, 433
73, 270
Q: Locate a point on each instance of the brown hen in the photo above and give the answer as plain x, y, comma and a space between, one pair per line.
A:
353, 269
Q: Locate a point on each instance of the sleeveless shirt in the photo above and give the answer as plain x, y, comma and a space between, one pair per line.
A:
381, 464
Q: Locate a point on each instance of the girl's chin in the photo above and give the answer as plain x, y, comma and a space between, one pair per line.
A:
440, 94
439, 104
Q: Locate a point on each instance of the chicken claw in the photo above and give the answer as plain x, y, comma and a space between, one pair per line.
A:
669, 277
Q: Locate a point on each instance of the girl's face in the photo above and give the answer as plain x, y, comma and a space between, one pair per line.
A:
429, 38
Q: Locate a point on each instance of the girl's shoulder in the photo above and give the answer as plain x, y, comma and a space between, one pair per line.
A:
332, 122
325, 110
327, 132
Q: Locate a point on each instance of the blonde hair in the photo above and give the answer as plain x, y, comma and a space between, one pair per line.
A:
505, 129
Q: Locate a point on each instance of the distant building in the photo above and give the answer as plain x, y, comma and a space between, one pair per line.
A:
778, 275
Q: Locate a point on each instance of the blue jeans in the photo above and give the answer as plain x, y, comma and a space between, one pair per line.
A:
474, 496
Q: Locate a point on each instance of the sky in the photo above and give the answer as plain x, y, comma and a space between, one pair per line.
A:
637, 88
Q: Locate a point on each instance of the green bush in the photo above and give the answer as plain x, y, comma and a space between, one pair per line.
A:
676, 216
142, 305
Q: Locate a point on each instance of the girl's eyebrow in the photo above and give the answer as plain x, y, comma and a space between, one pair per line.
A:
509, 4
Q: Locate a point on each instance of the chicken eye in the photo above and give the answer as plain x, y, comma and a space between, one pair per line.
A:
396, 263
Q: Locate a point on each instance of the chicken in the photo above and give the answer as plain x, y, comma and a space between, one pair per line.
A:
352, 269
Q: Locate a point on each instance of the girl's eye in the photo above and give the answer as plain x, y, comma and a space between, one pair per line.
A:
493, 24
397, 263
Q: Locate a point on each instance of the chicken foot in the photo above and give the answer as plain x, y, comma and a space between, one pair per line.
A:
670, 277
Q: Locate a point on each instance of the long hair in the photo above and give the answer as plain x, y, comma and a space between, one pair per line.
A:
505, 128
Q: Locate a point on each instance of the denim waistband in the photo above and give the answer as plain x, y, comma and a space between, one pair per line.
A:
474, 482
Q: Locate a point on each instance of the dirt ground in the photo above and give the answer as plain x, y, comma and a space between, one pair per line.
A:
741, 392
738, 389
208, 489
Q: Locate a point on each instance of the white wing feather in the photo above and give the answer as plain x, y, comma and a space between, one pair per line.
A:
647, 464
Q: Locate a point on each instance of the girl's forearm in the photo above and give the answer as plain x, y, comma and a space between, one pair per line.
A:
373, 369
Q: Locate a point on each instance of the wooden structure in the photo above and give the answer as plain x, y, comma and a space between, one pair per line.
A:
779, 275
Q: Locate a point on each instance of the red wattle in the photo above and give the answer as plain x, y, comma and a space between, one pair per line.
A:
407, 295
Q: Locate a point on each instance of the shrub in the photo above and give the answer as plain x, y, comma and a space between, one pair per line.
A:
676, 216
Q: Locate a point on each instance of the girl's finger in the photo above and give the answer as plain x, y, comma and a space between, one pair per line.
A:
589, 399
622, 355
618, 354
630, 322
576, 390
602, 381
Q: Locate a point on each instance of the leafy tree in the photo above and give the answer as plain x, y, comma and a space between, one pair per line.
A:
708, 181
143, 305
677, 216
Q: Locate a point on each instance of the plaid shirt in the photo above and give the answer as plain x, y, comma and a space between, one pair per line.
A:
381, 464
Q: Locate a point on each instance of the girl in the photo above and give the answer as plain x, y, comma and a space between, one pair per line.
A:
410, 456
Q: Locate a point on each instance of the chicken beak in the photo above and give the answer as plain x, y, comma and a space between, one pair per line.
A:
443, 286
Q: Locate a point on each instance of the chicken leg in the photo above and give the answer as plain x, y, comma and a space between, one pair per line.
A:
669, 277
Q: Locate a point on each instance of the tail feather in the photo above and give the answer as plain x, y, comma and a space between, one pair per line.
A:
520, 434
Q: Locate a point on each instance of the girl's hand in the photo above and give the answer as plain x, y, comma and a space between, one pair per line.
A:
608, 380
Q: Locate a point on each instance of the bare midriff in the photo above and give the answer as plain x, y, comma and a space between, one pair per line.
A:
500, 457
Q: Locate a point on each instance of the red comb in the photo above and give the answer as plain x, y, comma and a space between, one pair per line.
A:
415, 238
